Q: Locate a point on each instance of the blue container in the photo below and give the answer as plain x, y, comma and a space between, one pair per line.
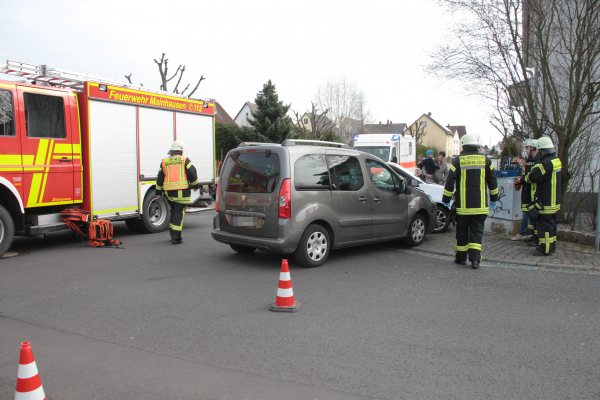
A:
506, 174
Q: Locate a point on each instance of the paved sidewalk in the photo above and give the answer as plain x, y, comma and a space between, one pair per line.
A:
499, 248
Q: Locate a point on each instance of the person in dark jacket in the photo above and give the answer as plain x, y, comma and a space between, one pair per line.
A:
176, 176
429, 167
474, 174
546, 175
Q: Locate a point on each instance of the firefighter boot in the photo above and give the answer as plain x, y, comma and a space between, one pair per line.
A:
176, 237
461, 262
475, 264
540, 252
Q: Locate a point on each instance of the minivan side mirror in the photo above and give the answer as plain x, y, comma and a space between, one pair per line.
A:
395, 159
414, 183
402, 186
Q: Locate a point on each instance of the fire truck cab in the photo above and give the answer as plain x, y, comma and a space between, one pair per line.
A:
77, 141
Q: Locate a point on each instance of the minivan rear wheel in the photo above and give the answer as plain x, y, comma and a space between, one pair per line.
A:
416, 231
242, 249
314, 247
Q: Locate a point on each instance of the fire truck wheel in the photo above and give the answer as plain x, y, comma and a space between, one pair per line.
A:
7, 230
156, 214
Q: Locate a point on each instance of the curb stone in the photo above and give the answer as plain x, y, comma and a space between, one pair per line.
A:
527, 263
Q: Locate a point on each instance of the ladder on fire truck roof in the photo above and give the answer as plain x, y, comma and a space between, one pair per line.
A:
66, 79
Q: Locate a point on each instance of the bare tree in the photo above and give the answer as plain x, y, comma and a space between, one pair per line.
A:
317, 127
417, 130
536, 62
163, 69
347, 106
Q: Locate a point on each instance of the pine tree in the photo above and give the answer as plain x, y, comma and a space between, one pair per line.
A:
270, 120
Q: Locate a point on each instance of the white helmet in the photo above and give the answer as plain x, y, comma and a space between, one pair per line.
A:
531, 143
546, 146
469, 140
177, 146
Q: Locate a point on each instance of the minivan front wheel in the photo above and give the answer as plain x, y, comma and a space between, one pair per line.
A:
442, 220
314, 247
416, 231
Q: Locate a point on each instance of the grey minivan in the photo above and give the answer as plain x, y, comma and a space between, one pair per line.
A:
309, 197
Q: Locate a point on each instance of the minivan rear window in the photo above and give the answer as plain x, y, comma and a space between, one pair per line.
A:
252, 173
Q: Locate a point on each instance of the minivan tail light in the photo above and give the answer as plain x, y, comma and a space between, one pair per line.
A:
285, 200
217, 199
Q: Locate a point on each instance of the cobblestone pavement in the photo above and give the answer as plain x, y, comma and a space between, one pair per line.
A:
499, 248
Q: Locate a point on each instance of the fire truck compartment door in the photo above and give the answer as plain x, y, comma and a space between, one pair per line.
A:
196, 131
156, 136
47, 147
114, 169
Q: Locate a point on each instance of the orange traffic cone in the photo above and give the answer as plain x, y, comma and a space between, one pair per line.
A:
29, 385
285, 294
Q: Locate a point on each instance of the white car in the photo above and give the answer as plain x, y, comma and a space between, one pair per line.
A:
434, 190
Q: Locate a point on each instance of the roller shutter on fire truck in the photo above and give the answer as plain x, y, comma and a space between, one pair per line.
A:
196, 132
113, 150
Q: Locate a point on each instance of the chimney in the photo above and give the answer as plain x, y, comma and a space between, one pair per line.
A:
379, 122
388, 123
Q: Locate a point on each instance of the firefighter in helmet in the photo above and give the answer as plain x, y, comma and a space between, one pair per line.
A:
528, 193
546, 175
176, 176
474, 174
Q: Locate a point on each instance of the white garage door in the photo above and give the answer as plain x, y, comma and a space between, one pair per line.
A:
156, 136
196, 131
113, 139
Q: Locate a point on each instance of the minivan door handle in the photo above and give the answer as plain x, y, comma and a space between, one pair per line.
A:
362, 198
377, 199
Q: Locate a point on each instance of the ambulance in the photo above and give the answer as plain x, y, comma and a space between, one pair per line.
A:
394, 148
71, 140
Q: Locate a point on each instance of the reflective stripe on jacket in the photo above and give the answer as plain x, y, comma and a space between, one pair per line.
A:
182, 195
547, 176
474, 174
175, 176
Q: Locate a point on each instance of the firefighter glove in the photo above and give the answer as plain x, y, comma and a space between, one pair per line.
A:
492, 205
446, 204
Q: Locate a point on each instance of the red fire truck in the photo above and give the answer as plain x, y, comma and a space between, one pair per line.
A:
72, 140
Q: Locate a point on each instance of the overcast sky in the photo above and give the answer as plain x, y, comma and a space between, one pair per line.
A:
381, 46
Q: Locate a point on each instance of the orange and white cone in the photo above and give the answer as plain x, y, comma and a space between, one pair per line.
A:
29, 385
285, 295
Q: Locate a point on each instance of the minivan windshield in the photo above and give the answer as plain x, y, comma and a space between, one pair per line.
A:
252, 173
382, 152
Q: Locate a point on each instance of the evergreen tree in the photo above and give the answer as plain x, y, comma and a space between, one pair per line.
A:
229, 136
270, 119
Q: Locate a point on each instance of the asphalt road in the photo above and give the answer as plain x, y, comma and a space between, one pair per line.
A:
158, 321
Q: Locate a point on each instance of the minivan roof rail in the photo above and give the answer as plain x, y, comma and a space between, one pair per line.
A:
248, 144
293, 142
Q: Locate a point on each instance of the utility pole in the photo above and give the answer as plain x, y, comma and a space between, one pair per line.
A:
597, 245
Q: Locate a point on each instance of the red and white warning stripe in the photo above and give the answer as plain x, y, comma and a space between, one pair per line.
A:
285, 294
29, 384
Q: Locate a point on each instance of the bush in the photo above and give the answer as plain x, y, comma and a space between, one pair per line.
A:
512, 148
